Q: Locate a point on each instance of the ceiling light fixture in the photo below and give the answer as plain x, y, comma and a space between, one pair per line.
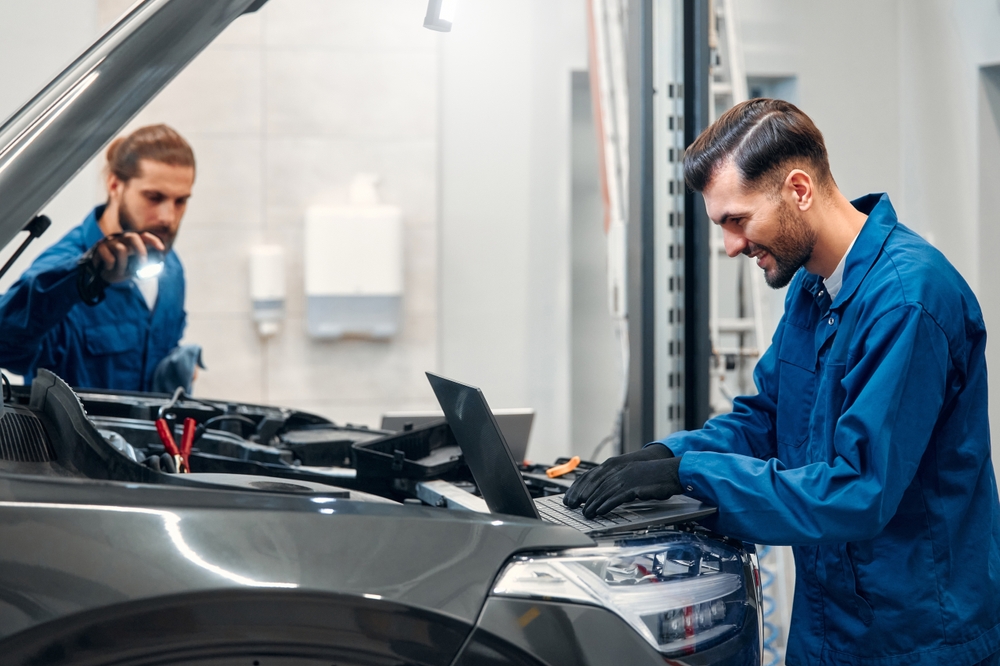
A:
440, 15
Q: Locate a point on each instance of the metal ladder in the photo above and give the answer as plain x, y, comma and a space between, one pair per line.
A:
728, 85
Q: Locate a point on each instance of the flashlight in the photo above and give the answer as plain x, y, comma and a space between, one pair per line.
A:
151, 267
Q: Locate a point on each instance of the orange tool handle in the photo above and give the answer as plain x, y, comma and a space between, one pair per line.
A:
168, 439
565, 468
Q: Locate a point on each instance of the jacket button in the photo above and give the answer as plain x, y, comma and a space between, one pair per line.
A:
830, 321
690, 488
820, 293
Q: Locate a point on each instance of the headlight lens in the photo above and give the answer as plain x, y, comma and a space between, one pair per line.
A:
681, 592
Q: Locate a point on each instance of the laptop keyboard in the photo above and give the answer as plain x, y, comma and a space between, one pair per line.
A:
553, 510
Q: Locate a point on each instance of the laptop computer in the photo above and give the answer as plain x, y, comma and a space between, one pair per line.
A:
500, 482
515, 424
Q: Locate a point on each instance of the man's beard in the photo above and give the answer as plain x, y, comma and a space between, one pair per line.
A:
791, 249
127, 223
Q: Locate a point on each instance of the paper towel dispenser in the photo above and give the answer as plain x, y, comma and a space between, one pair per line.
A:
354, 267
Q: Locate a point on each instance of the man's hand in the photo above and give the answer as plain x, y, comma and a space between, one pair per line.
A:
110, 255
651, 473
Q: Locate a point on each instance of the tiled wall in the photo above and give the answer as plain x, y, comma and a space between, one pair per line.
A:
282, 110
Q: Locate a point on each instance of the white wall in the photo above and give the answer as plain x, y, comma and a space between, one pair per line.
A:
505, 179
943, 47
596, 372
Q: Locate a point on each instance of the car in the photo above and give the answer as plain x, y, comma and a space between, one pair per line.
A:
294, 540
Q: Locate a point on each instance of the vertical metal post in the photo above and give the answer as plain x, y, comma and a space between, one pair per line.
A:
696, 235
639, 421
668, 199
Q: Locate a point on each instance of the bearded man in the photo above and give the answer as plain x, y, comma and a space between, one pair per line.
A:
867, 446
104, 305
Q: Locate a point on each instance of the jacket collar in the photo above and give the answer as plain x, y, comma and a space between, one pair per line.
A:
880, 223
91, 232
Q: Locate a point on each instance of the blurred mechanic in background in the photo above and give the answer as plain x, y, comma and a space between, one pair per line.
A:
95, 308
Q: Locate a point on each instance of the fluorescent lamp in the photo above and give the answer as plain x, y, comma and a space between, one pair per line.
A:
440, 15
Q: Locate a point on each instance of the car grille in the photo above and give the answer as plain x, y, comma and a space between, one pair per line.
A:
22, 438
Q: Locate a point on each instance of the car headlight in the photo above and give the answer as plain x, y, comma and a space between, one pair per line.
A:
681, 592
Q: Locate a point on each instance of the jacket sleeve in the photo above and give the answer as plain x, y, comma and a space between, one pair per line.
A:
749, 429
892, 397
34, 305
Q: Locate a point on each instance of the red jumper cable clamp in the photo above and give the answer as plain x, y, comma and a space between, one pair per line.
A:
163, 430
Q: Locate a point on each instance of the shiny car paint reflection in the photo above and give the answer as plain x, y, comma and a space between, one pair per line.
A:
97, 544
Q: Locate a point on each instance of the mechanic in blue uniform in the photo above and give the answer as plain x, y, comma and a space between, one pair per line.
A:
79, 310
867, 447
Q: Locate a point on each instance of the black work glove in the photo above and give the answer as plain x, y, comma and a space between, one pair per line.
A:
651, 473
161, 463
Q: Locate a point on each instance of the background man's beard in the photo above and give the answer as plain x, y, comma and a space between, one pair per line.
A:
127, 223
791, 250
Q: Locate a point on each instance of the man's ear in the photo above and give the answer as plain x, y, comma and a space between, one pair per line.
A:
114, 186
799, 187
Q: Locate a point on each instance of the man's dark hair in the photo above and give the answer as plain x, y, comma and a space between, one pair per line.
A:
158, 143
765, 139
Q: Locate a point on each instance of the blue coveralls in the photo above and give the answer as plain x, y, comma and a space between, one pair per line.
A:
871, 457
113, 345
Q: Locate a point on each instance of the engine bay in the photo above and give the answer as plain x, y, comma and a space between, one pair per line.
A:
50, 429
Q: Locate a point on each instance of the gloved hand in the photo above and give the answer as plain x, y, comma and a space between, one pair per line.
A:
114, 258
179, 368
651, 473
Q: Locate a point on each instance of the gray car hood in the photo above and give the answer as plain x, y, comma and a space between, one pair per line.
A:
121, 542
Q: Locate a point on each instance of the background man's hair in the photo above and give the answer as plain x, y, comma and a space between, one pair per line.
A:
765, 139
158, 143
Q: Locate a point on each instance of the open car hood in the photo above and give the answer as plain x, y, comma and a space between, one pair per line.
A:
54, 135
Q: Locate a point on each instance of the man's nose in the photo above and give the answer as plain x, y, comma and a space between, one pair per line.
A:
735, 242
168, 213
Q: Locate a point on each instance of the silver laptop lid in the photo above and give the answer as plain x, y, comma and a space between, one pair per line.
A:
515, 425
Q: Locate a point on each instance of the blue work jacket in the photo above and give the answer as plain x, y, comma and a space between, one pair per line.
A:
115, 344
867, 449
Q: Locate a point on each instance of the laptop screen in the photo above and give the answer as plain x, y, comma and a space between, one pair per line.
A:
485, 450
